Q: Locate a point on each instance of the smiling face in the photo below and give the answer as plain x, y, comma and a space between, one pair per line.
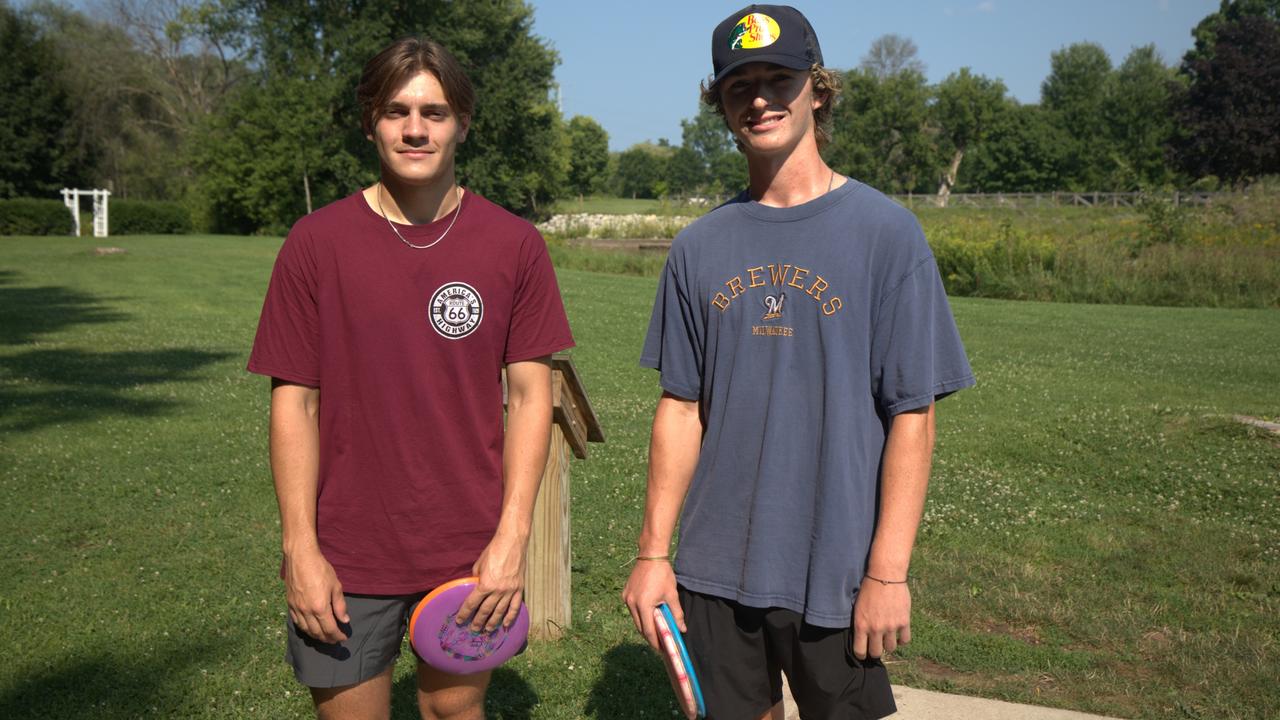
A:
769, 108
417, 133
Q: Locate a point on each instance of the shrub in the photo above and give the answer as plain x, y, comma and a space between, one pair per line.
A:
32, 216
142, 217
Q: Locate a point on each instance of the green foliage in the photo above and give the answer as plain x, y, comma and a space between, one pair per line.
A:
149, 217
296, 125
707, 161
588, 155
1075, 94
37, 144
641, 171
966, 108
880, 135
1023, 152
1229, 114
31, 216
1138, 111
1163, 221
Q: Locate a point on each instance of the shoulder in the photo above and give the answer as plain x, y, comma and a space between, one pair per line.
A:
723, 218
337, 214
496, 218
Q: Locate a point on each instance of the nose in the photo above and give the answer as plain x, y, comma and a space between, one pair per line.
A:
415, 126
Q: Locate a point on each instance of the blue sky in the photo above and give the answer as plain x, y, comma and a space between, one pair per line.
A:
635, 67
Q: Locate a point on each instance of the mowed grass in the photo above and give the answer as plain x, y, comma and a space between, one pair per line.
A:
1099, 534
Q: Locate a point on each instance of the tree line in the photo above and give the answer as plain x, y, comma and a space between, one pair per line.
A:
244, 111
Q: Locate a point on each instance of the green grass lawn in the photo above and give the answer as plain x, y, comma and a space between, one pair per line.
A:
603, 205
1098, 535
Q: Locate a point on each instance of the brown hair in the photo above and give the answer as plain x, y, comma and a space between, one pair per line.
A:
826, 83
397, 63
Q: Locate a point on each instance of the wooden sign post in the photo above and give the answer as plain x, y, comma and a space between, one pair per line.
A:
547, 577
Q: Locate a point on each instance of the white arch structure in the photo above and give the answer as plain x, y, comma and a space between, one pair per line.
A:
71, 198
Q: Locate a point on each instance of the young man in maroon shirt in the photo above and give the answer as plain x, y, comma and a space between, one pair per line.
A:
390, 316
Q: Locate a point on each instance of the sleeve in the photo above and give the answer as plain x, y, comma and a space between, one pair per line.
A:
288, 339
674, 343
916, 354
538, 323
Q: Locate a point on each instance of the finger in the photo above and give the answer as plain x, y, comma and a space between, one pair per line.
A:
635, 617
890, 641
329, 627
875, 645
904, 635
650, 630
513, 611
860, 644
468, 607
339, 602
483, 612
677, 612
498, 613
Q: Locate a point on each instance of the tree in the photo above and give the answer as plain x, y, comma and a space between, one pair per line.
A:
588, 155
517, 152
880, 132
37, 141
1074, 95
965, 109
1138, 113
1229, 113
1022, 152
891, 54
712, 161
641, 171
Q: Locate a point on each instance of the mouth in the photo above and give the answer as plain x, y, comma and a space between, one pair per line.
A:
762, 124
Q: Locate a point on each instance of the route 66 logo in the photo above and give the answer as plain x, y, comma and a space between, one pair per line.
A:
456, 310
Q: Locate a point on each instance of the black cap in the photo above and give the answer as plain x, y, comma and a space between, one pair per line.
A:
776, 34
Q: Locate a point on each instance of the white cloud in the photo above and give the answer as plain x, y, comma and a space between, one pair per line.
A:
986, 6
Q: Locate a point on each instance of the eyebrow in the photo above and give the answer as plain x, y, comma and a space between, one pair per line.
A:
398, 105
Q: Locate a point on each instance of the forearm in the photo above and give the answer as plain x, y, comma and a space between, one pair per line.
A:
673, 456
295, 462
524, 450
904, 481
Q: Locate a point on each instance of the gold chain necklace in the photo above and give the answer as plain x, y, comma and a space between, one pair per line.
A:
456, 213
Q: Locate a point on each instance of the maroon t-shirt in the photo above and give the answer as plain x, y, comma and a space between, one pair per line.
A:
407, 348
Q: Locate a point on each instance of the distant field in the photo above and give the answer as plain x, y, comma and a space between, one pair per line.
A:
1225, 255
1099, 534
627, 206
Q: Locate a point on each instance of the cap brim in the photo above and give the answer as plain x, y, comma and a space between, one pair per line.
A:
787, 61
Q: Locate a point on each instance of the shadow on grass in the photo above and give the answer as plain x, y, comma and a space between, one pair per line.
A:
109, 686
509, 697
26, 312
631, 685
49, 387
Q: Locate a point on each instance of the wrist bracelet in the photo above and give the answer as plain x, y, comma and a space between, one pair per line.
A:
663, 558
885, 582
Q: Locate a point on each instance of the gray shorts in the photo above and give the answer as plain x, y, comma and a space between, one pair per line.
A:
374, 637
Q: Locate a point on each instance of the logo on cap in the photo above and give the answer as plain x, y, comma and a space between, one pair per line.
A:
756, 30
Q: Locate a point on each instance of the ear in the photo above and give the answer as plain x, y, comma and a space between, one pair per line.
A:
465, 122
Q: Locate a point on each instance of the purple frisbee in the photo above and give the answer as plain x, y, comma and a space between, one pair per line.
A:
447, 646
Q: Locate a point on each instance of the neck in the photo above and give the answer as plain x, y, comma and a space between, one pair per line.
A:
416, 204
791, 179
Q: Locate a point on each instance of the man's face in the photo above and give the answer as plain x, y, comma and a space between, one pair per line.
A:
768, 108
418, 133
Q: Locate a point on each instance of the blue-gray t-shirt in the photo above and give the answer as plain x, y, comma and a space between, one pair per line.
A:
801, 331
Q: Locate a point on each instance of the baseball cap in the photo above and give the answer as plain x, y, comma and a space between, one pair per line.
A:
776, 34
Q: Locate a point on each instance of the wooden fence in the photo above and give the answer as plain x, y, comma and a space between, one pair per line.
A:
1055, 199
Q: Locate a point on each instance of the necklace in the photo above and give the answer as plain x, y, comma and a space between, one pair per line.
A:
831, 181
392, 225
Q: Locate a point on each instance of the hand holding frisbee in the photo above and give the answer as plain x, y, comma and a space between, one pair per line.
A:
679, 667
442, 643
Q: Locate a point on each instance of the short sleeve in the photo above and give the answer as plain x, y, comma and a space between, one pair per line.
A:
916, 352
288, 340
673, 345
538, 323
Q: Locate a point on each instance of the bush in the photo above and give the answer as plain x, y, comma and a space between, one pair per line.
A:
142, 217
31, 216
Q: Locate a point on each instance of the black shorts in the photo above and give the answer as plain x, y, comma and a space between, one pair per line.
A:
738, 653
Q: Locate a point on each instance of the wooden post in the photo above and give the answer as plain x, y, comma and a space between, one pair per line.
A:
548, 575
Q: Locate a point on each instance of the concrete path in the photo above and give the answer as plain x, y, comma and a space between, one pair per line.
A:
928, 705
